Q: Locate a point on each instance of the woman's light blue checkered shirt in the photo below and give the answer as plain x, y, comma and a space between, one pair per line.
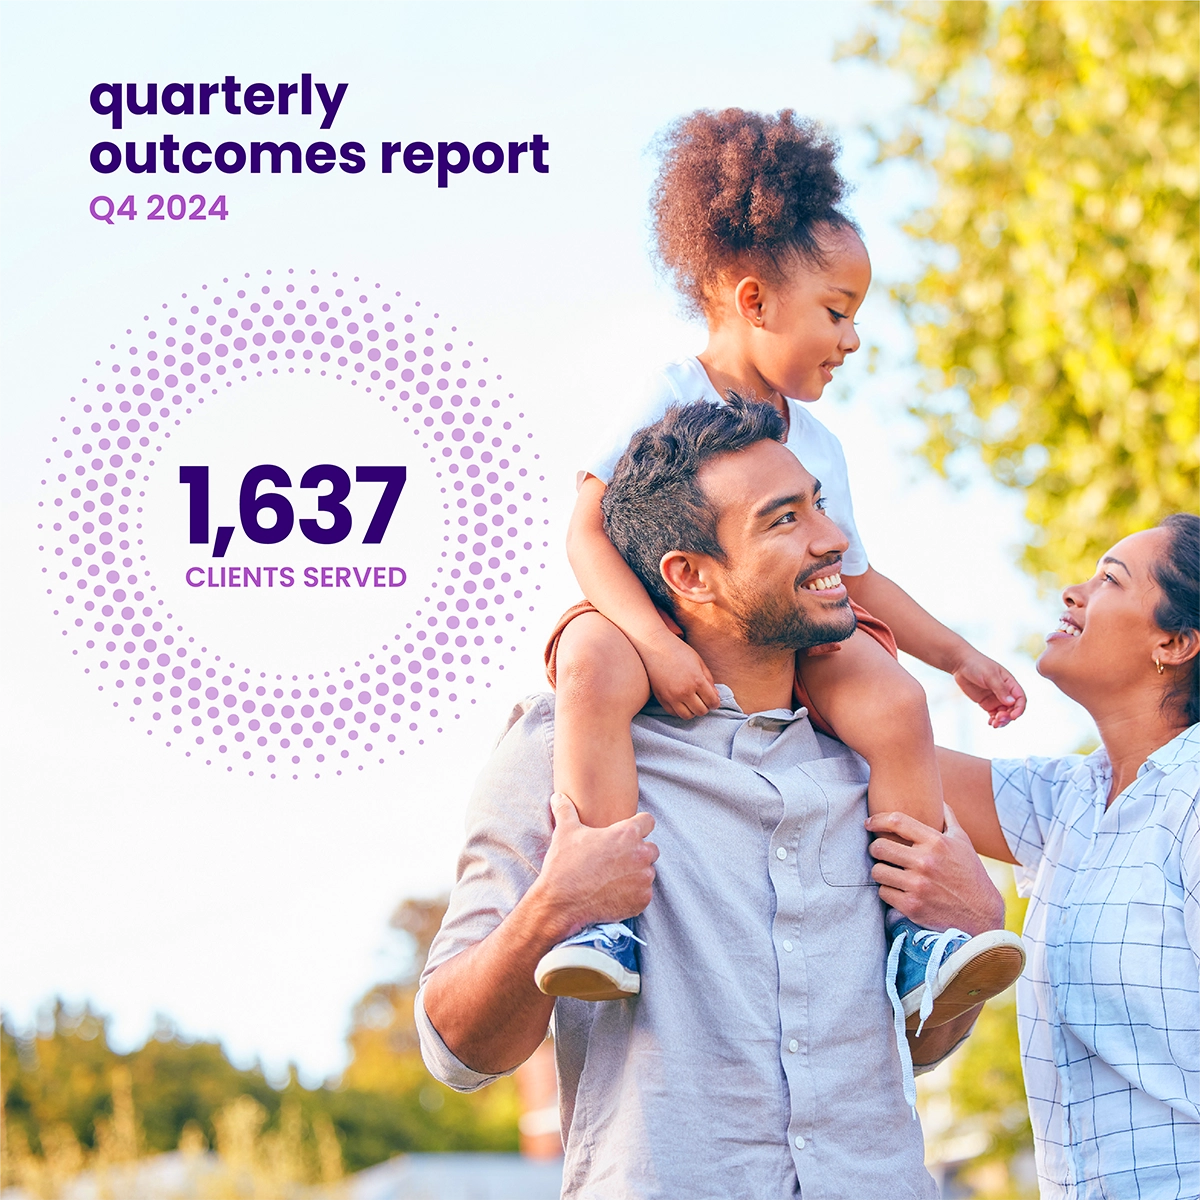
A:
1109, 1006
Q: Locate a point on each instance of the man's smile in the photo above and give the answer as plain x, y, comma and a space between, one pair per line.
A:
825, 578
824, 583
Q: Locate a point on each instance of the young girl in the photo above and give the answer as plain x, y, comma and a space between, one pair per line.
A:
747, 222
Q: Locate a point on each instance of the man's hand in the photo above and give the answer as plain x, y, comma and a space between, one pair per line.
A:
483, 1002
991, 687
591, 875
937, 879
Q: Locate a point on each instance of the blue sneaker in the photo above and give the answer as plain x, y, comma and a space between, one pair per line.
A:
934, 976
940, 975
598, 963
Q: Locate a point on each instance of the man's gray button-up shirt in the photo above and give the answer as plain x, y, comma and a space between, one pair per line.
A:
759, 1060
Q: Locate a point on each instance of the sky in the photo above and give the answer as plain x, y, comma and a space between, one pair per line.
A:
255, 910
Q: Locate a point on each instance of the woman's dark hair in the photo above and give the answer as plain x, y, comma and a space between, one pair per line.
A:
1177, 573
654, 504
741, 187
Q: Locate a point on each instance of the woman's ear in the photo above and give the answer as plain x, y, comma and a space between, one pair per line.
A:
687, 575
1176, 649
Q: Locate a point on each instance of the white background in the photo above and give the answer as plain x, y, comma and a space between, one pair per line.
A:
256, 911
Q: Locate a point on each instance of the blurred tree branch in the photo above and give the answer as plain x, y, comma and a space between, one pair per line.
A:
1057, 317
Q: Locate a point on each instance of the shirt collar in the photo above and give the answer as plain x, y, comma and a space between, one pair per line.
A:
1182, 748
730, 707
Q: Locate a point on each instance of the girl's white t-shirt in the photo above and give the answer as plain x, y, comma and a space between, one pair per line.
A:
686, 382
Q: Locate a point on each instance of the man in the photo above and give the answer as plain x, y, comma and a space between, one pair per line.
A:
759, 1060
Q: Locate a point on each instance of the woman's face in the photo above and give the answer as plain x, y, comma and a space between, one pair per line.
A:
1107, 638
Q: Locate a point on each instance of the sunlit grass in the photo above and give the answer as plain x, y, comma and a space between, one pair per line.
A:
248, 1162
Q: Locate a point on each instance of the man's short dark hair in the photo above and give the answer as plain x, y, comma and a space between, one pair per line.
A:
654, 505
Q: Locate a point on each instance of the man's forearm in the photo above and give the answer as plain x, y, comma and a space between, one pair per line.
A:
484, 1003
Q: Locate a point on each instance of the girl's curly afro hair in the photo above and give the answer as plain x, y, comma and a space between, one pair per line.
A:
737, 187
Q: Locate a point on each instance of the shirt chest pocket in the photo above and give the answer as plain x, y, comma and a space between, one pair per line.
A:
839, 808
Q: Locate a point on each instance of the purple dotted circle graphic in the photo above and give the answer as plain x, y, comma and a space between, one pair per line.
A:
116, 611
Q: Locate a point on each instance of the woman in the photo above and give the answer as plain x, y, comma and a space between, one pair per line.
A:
1108, 849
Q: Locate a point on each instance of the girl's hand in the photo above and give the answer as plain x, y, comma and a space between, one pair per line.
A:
679, 679
991, 687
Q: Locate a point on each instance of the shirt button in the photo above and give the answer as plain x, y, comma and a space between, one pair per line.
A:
793, 1045
799, 1143
781, 853
788, 947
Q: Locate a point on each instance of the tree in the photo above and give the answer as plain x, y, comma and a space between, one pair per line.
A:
1057, 316
60, 1076
67, 1094
385, 1062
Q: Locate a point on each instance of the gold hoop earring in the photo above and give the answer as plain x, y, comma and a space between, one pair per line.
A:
1159, 666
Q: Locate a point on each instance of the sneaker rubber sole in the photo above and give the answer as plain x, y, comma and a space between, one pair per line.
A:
981, 969
584, 973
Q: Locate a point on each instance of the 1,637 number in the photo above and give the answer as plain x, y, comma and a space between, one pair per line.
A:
251, 505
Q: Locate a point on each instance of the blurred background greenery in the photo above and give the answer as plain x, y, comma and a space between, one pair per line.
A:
74, 1105
1057, 318
72, 1102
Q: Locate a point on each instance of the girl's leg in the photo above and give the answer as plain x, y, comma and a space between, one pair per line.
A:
878, 709
601, 686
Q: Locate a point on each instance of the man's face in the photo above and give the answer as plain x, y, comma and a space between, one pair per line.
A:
781, 578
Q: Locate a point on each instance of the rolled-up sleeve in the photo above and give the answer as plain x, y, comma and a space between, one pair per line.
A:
508, 831
440, 1061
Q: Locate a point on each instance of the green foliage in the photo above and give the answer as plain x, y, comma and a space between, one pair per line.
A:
59, 1081
385, 1060
1057, 319
987, 1082
62, 1074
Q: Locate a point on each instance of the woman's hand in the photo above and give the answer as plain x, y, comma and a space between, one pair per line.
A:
937, 879
991, 687
678, 677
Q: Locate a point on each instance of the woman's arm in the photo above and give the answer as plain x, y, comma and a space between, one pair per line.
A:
677, 674
967, 786
925, 637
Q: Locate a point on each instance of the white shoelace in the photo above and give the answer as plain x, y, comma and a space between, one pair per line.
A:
940, 942
607, 932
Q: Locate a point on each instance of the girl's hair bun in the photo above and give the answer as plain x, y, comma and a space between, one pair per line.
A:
737, 186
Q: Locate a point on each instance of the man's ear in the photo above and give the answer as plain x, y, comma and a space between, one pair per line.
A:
687, 575
749, 296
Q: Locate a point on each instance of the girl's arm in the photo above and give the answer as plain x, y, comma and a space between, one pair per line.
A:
967, 785
935, 878
925, 637
678, 676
